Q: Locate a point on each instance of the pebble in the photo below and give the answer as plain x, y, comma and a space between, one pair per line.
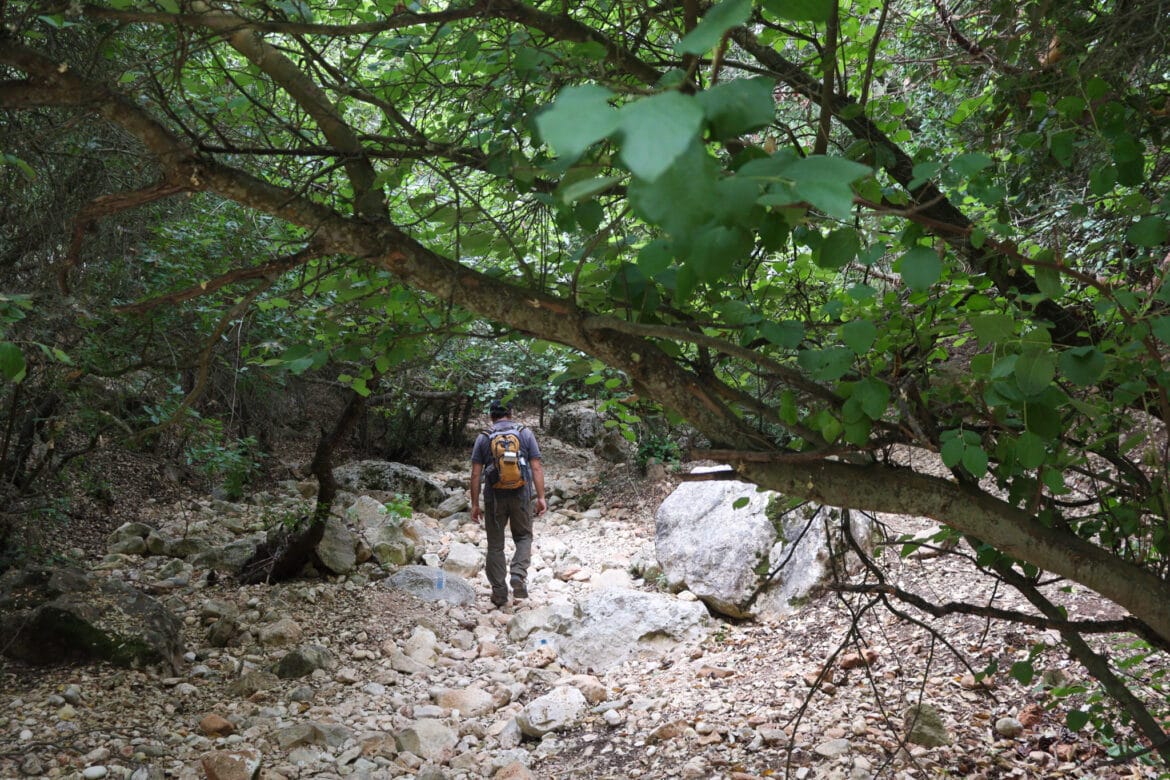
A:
94, 772
1009, 727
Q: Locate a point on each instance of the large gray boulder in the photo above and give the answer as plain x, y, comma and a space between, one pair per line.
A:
616, 624
388, 477
62, 615
577, 423
731, 545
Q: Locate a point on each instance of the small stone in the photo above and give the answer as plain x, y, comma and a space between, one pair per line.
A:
216, 726
612, 717
833, 748
1009, 727
667, 731
94, 772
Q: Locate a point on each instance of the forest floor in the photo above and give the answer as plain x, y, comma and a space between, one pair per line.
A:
792, 698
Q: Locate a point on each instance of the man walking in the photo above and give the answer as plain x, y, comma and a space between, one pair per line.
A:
506, 459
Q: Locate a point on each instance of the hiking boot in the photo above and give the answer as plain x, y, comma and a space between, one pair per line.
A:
518, 590
500, 600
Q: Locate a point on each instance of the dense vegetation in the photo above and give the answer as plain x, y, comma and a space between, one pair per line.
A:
820, 231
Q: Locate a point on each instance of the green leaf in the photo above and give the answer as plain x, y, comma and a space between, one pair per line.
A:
578, 118
838, 249
993, 328
787, 334
1031, 450
738, 106
740, 502
920, 268
1149, 231
1076, 720
12, 364
952, 452
657, 130
873, 395
1023, 672
1082, 365
825, 182
710, 29
826, 364
975, 460
801, 10
859, 335
1034, 371
582, 190
1049, 282
1160, 326
716, 250
967, 165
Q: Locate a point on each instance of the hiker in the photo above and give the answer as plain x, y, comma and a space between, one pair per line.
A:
506, 461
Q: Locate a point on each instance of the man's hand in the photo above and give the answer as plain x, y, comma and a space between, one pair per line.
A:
477, 515
541, 506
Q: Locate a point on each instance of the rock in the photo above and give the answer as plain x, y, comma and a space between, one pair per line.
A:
577, 423
388, 477
433, 584
924, 726
284, 631
557, 710
421, 645
243, 764
337, 548
614, 625
216, 726
465, 560
457, 502
591, 688
427, 738
553, 618
471, 702
1009, 727
833, 748
52, 615
724, 554
303, 661
253, 682
614, 447
866, 657
514, 771
667, 731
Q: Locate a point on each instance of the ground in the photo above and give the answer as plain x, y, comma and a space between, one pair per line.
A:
822, 693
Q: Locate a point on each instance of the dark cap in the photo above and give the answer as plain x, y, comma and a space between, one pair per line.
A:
499, 409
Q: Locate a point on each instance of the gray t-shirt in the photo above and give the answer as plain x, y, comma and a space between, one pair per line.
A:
481, 453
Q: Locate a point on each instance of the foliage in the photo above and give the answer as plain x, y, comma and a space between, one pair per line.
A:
824, 233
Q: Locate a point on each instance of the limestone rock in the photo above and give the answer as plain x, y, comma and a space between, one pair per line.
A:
725, 540
924, 726
616, 624
557, 710
427, 738
60, 615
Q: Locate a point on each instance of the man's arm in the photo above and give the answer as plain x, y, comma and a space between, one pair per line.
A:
476, 470
538, 481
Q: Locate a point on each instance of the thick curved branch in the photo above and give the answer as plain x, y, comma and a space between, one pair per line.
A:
880, 488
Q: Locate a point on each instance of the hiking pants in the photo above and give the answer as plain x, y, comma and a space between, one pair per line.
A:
501, 508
